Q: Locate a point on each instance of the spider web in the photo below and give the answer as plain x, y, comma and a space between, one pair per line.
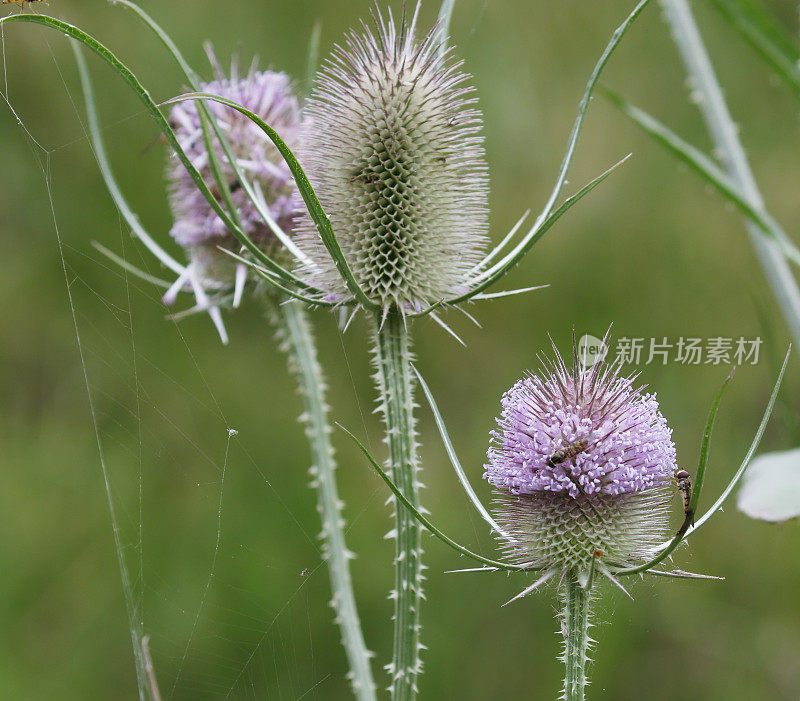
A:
227, 595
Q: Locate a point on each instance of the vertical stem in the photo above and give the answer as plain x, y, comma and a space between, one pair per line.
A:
395, 385
576, 638
298, 341
726, 142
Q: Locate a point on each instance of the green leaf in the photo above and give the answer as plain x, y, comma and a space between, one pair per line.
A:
685, 530
442, 30
122, 263
312, 62
750, 452
709, 171
771, 487
766, 36
424, 521
304, 186
545, 218
703, 461
274, 281
108, 175
528, 242
451, 453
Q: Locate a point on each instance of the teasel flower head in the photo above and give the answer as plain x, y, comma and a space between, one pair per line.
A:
582, 462
392, 146
197, 228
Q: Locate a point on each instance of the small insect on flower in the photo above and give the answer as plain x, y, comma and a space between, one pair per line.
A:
22, 2
685, 487
568, 452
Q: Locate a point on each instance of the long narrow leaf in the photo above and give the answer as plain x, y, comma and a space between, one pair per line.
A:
451, 453
686, 530
306, 191
514, 256
275, 282
207, 122
771, 41
122, 263
442, 30
526, 244
424, 521
108, 175
709, 171
312, 62
698, 486
704, 446
750, 452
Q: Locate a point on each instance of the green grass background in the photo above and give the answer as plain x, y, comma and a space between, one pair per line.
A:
651, 250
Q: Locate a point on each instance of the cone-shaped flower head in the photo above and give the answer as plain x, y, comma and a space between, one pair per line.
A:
196, 226
392, 148
582, 462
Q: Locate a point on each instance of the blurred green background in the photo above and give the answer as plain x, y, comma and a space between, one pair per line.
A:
651, 250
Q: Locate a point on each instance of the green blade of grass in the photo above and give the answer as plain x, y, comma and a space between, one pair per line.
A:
750, 451
686, 528
704, 446
442, 30
108, 175
454, 461
524, 246
709, 171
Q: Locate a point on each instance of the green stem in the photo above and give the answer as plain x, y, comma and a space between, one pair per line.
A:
298, 341
395, 385
576, 637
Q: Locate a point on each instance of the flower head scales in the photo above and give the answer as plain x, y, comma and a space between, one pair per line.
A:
581, 461
392, 147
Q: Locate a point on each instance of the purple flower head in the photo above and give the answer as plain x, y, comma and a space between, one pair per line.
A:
581, 461
392, 145
267, 94
587, 430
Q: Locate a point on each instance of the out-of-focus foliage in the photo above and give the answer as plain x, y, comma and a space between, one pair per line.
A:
649, 250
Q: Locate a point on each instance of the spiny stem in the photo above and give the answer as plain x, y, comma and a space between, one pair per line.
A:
395, 386
297, 340
576, 637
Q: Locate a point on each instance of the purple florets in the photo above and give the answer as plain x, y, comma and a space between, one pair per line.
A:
267, 94
587, 431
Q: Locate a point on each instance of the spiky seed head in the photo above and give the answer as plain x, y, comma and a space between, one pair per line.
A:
196, 226
582, 462
392, 146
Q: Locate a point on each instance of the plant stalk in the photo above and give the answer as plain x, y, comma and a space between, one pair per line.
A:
724, 134
297, 340
576, 637
395, 384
